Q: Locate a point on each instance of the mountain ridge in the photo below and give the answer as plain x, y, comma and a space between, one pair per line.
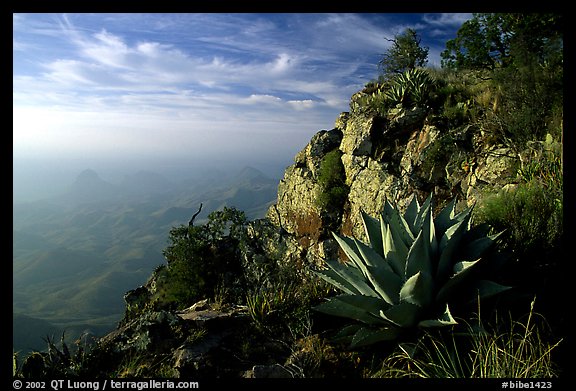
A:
110, 242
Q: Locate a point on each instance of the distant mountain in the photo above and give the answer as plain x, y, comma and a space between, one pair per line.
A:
75, 255
252, 176
89, 187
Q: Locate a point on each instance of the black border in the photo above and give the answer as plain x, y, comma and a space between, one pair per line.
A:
169, 6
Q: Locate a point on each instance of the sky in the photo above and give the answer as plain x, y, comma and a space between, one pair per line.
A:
214, 87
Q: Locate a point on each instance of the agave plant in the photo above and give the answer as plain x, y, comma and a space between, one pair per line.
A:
397, 93
412, 267
413, 87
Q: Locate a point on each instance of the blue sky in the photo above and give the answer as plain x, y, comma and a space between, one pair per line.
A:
251, 87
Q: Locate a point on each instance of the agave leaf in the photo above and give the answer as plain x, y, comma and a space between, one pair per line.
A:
402, 315
464, 266
483, 289
449, 244
370, 256
346, 333
337, 307
369, 304
411, 213
444, 219
395, 255
460, 224
380, 275
408, 348
479, 231
349, 330
423, 212
387, 284
367, 336
422, 254
338, 281
347, 244
465, 215
362, 261
353, 276
373, 232
419, 257
445, 320
418, 290
399, 242
384, 233
429, 234
397, 224
461, 271
475, 248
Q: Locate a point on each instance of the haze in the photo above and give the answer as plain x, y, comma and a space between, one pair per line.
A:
173, 93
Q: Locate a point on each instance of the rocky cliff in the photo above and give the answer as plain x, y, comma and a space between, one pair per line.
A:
409, 151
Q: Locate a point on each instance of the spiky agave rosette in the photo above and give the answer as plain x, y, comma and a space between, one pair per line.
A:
412, 267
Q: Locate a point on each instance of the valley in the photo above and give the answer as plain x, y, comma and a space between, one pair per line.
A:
75, 255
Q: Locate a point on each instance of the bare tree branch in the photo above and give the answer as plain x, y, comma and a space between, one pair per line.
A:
191, 222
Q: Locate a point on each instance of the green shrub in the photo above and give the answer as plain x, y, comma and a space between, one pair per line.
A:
280, 304
201, 259
372, 103
333, 190
63, 361
532, 216
532, 100
544, 164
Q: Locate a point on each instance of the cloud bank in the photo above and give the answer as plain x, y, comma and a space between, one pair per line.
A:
207, 84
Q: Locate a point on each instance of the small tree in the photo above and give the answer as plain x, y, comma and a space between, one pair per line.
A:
200, 258
491, 40
404, 54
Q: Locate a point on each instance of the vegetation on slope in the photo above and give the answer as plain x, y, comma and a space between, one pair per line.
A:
502, 76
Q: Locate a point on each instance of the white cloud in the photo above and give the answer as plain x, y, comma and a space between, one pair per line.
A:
71, 72
108, 63
354, 33
447, 19
301, 104
283, 63
265, 99
122, 76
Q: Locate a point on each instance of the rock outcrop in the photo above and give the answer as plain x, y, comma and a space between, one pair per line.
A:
407, 152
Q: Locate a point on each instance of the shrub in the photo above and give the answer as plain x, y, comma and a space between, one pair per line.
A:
532, 99
532, 214
63, 361
331, 178
202, 259
373, 102
279, 305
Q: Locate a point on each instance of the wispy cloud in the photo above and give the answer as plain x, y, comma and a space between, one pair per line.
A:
447, 19
186, 72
